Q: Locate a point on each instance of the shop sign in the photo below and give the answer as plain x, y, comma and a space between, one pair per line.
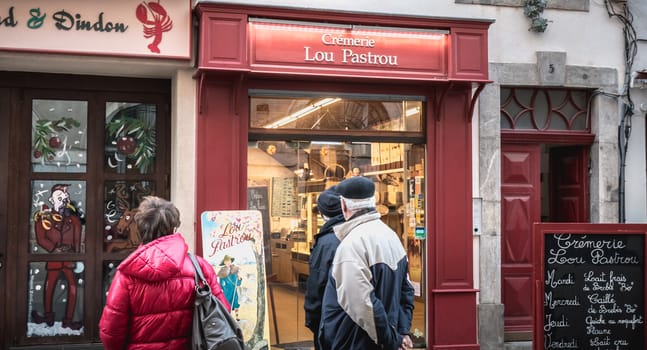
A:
233, 244
348, 47
116, 28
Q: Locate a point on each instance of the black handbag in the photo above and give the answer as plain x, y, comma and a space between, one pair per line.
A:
213, 326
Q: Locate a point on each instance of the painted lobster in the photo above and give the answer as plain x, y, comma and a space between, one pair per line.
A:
158, 24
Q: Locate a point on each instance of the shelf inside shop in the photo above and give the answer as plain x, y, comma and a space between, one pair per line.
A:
379, 172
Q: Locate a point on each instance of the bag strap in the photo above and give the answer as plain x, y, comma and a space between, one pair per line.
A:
198, 276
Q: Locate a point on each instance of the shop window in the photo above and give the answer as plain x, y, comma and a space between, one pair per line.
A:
348, 112
107, 273
545, 110
293, 173
93, 157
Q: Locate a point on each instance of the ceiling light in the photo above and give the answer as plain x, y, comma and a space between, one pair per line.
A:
302, 112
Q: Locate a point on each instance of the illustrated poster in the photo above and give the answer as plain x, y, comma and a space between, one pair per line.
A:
232, 242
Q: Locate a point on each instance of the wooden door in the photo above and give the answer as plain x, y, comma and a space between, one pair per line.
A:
569, 184
520, 208
69, 179
4, 189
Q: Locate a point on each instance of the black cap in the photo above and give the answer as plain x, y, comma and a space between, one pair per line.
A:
328, 202
356, 187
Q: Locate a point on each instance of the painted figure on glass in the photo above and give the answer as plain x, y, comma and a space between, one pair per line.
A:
58, 230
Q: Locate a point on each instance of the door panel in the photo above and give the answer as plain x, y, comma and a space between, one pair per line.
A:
569, 184
4, 229
71, 145
520, 208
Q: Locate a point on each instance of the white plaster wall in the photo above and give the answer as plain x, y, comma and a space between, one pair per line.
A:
183, 167
595, 41
636, 169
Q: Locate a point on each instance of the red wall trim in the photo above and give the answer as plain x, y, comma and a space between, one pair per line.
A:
453, 330
225, 48
452, 303
469, 54
454, 191
221, 157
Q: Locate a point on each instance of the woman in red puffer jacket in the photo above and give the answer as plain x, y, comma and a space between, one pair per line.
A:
150, 301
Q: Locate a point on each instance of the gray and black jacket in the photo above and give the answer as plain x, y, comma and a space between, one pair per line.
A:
368, 301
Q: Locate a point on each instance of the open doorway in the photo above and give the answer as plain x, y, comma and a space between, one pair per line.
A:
539, 183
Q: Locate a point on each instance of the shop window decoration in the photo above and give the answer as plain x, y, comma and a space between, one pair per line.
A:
47, 143
154, 27
134, 139
533, 9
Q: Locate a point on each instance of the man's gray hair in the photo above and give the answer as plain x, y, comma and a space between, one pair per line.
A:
355, 204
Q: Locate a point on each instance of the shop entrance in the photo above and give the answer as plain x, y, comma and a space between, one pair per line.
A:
539, 183
292, 174
545, 142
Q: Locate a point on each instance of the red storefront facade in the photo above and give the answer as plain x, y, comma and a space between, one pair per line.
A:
445, 61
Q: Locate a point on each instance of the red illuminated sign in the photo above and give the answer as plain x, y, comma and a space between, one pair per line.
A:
348, 48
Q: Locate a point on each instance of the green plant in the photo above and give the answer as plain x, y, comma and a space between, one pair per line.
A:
533, 9
135, 139
46, 140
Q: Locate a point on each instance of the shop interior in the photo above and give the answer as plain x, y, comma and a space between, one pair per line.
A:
290, 175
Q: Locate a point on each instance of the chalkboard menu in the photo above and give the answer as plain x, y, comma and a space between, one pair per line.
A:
592, 290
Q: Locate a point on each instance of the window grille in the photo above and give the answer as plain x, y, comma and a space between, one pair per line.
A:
545, 110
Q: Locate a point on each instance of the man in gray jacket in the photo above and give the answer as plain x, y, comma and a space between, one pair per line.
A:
368, 301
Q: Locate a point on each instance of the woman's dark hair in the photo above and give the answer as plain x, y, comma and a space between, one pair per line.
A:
156, 217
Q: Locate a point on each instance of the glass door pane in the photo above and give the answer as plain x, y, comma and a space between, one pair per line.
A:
59, 129
121, 199
130, 137
293, 174
57, 241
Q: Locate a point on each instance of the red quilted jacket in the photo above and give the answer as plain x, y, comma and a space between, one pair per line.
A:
150, 301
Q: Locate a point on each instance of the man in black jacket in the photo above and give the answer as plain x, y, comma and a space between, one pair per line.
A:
321, 258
